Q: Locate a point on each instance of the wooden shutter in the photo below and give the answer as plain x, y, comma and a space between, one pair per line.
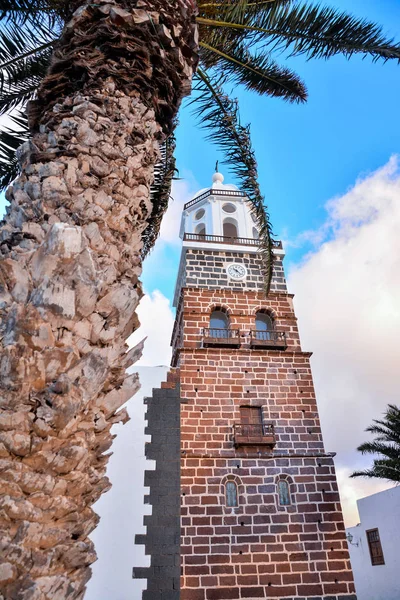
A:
375, 547
250, 415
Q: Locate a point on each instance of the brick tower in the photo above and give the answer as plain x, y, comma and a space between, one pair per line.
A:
260, 514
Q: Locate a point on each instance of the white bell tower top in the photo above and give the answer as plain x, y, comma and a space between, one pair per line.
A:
218, 212
218, 221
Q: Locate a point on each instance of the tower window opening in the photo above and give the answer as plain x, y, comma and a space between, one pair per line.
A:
231, 495
200, 213
230, 228
255, 233
264, 326
200, 229
219, 324
284, 493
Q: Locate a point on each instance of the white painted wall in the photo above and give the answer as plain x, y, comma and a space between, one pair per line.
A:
380, 582
121, 509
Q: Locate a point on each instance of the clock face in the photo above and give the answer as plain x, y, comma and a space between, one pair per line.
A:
236, 271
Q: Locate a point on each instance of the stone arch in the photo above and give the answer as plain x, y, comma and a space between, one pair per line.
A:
267, 310
223, 307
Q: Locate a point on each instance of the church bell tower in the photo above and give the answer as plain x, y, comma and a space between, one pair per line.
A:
259, 509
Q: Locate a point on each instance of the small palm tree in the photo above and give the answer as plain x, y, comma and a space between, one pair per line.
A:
386, 445
98, 86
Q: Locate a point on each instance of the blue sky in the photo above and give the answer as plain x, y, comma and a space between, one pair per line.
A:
307, 154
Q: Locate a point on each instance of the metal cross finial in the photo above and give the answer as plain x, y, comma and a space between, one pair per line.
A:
216, 166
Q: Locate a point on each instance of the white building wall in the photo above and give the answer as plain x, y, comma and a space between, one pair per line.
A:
121, 510
380, 582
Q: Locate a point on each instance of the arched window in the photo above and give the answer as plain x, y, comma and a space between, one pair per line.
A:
230, 228
255, 233
264, 326
200, 229
283, 492
231, 495
219, 323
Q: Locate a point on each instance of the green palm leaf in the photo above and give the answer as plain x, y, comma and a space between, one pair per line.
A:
219, 115
160, 193
257, 72
317, 31
386, 446
35, 12
10, 140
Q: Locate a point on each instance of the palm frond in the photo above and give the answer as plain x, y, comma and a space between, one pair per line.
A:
22, 12
10, 140
257, 72
18, 95
377, 447
24, 57
219, 115
236, 11
389, 470
320, 32
384, 433
160, 193
386, 445
21, 44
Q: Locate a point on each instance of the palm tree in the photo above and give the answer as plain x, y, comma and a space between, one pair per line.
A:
386, 445
101, 84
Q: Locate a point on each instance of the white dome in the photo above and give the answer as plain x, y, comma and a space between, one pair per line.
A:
217, 183
218, 178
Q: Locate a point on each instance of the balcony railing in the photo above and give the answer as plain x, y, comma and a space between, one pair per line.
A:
221, 338
259, 434
214, 192
271, 339
221, 239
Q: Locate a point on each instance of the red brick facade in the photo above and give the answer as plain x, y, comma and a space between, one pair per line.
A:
260, 548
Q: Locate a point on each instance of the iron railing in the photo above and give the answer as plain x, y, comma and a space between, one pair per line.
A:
221, 239
254, 434
224, 334
269, 338
214, 192
221, 337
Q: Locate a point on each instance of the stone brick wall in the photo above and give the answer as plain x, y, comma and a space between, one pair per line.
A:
162, 538
207, 269
259, 549
217, 382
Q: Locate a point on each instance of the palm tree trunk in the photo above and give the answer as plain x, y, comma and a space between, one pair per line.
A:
69, 278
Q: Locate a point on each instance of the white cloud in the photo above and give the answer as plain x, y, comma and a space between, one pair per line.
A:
348, 305
351, 490
157, 320
182, 191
